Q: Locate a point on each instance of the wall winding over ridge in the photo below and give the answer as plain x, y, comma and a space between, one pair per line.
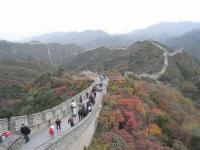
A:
81, 134
35, 121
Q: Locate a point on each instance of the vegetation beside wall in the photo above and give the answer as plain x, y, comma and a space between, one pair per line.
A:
139, 115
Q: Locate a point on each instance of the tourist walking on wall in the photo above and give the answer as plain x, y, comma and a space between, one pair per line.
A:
74, 112
73, 107
71, 121
89, 107
81, 112
51, 131
73, 104
81, 99
58, 124
87, 94
4, 135
25, 130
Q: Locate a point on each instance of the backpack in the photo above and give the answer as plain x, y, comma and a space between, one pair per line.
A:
28, 130
73, 104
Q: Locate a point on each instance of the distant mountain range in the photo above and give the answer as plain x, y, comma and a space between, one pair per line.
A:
190, 41
53, 54
93, 38
164, 30
87, 39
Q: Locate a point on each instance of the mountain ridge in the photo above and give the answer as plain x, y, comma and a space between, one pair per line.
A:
93, 38
189, 41
39, 51
127, 59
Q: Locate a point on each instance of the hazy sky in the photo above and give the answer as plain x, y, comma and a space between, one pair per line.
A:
21, 18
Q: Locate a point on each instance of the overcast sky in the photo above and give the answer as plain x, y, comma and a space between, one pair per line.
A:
20, 18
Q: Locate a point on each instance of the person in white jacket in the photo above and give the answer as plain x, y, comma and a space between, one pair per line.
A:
73, 106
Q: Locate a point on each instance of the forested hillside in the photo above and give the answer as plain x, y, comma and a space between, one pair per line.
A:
46, 91
183, 72
140, 57
139, 115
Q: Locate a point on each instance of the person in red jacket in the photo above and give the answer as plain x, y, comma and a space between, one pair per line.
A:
4, 135
51, 131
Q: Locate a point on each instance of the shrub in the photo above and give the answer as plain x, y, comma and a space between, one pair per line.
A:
178, 145
153, 129
130, 103
118, 143
147, 145
195, 139
114, 89
129, 91
107, 137
157, 111
178, 133
56, 82
131, 124
125, 135
59, 90
163, 121
43, 79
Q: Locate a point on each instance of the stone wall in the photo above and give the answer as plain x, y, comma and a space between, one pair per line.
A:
3, 124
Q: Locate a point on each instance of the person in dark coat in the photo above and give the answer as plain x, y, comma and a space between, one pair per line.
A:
89, 107
81, 113
87, 94
25, 130
95, 94
58, 124
81, 99
71, 121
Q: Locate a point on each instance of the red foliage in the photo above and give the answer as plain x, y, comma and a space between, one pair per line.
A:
148, 145
141, 89
128, 114
161, 103
156, 111
72, 93
130, 120
115, 96
59, 90
131, 123
131, 102
179, 133
116, 117
166, 148
125, 135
